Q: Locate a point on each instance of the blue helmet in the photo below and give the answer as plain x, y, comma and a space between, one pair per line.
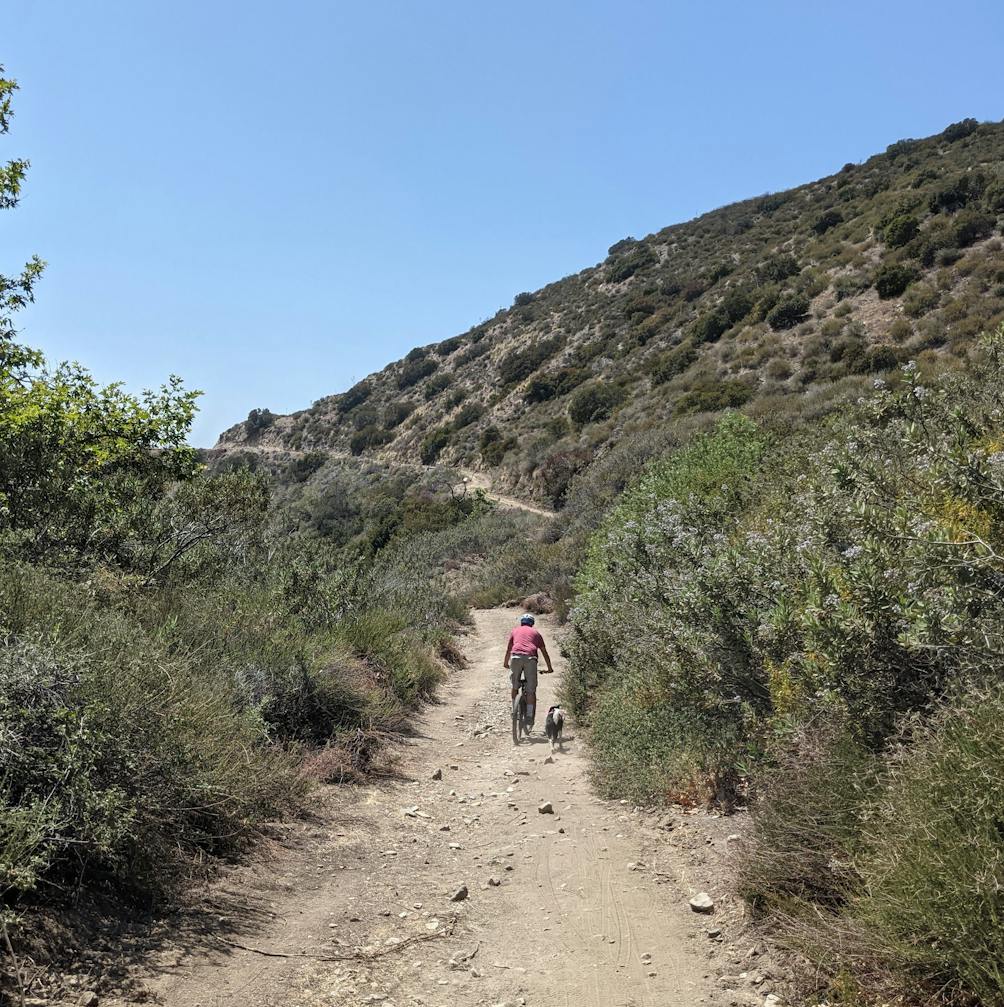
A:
526, 620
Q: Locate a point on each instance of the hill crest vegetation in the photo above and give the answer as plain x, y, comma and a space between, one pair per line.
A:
781, 306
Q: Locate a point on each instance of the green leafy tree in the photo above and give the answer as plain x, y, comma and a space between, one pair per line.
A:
79, 464
17, 290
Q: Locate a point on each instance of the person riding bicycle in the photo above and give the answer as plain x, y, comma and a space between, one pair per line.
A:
521, 659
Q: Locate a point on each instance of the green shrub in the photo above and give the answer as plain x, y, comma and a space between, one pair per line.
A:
522, 300
365, 416
850, 285
711, 396
557, 471
554, 385
389, 643
958, 193
891, 280
959, 130
520, 364
449, 346
123, 760
473, 352
301, 469
594, 401
433, 444
639, 307
80, 465
947, 256
493, 446
259, 420
624, 245
693, 288
653, 326
786, 314
369, 437
414, 370
541, 389
920, 299
355, 396
710, 327
624, 266
901, 230
469, 414
827, 220
651, 540
971, 226
737, 304
771, 202
881, 358
396, 413
900, 330
806, 824
931, 895
673, 362
293, 702
645, 752
994, 197
436, 384
778, 268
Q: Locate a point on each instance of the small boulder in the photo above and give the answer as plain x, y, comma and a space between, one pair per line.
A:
702, 903
547, 808
538, 604
437, 775
460, 894
88, 999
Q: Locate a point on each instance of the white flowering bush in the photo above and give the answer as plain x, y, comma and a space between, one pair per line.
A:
802, 617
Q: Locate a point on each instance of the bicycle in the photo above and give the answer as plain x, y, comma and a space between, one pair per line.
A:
520, 723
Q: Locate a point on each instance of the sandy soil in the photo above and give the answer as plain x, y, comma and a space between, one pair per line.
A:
585, 906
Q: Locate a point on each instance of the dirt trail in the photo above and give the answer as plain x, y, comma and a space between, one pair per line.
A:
474, 480
480, 481
575, 907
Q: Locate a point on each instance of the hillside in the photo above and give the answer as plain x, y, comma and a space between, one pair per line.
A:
781, 305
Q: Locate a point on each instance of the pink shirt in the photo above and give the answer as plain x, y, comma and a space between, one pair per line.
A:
525, 640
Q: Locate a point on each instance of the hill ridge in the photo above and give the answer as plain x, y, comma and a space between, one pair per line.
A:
781, 305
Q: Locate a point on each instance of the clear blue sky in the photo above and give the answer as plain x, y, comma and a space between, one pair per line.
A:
273, 200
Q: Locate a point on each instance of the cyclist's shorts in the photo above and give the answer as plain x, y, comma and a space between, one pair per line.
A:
519, 663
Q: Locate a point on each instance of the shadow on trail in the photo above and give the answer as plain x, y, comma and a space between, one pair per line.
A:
234, 904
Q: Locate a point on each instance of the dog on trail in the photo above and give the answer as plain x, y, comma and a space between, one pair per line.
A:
553, 725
